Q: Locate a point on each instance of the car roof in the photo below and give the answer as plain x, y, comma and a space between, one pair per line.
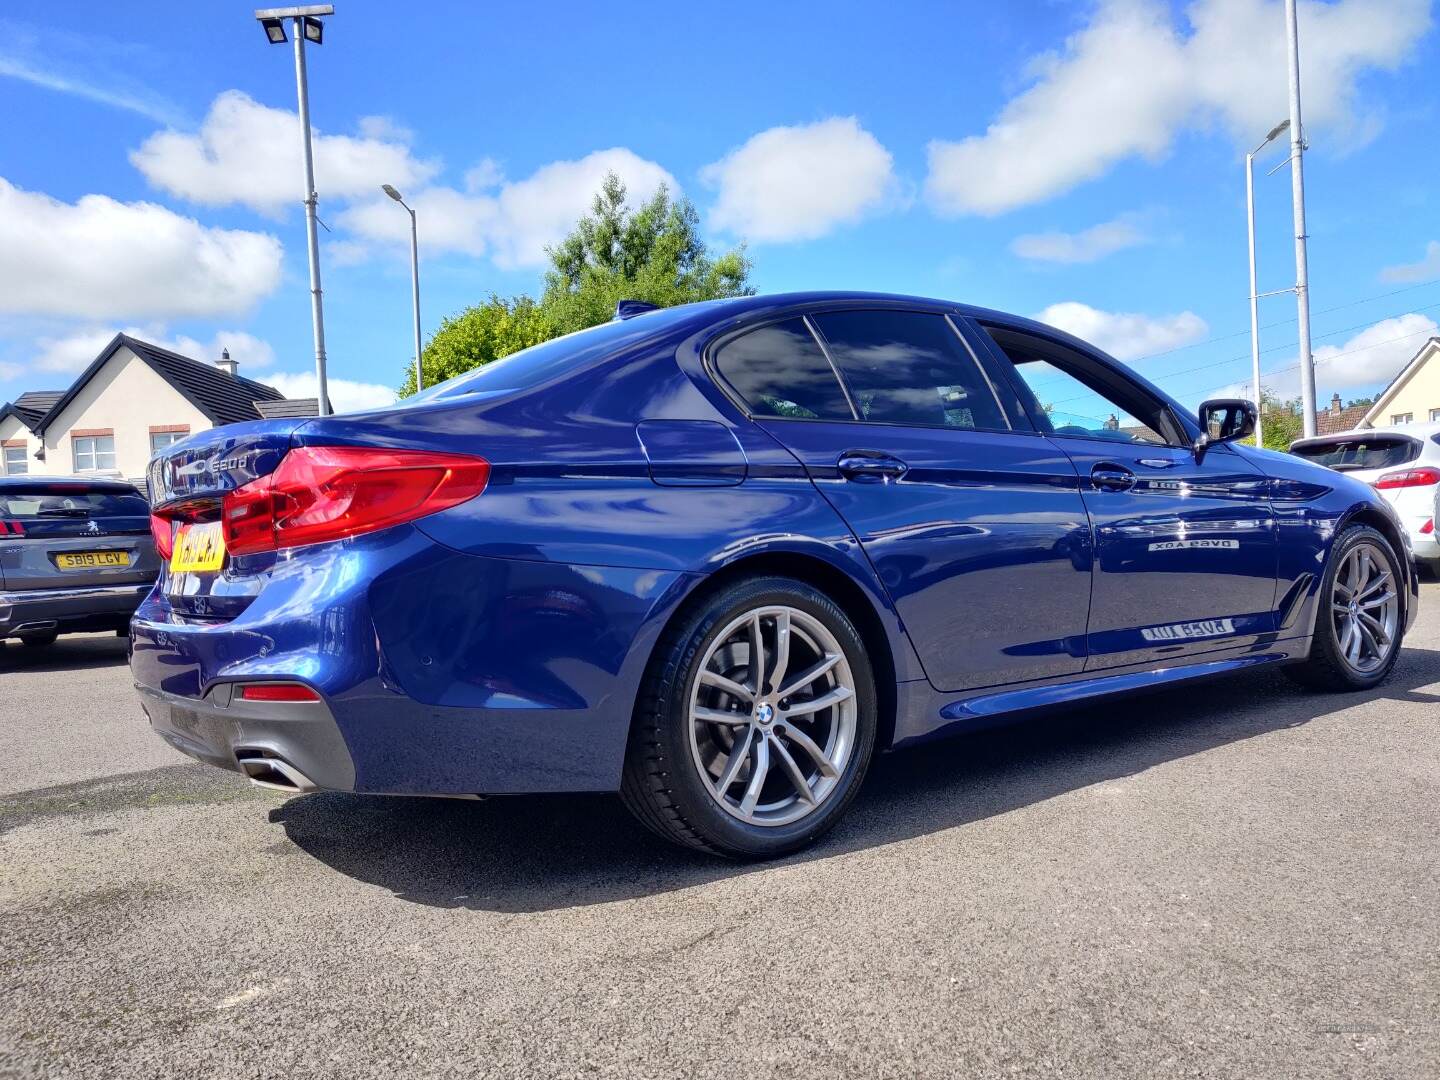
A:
1414, 431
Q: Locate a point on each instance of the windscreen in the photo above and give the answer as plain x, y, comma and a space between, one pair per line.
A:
1359, 452
52, 502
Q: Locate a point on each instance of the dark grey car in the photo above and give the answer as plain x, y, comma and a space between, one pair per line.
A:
76, 555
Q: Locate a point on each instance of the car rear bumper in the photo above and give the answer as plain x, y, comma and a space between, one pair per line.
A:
291, 745
443, 673
89, 607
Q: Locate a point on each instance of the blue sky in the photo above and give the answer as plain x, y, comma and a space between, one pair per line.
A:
1077, 161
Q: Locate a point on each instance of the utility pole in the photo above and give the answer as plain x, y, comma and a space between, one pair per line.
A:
306, 25
1297, 196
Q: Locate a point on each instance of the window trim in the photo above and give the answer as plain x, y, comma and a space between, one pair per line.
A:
94, 454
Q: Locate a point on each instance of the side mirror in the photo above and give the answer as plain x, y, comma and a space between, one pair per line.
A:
1223, 420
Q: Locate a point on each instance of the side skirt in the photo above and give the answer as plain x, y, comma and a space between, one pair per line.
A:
996, 706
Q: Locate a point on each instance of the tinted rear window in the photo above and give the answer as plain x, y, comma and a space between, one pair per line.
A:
50, 502
1372, 452
780, 371
908, 367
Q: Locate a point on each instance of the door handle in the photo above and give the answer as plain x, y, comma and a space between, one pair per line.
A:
870, 466
1108, 476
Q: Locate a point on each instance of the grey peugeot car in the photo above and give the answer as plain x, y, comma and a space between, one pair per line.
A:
76, 555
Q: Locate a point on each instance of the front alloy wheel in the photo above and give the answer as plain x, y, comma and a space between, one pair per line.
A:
755, 724
1362, 615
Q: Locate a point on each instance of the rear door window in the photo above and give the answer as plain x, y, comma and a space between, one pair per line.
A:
779, 370
58, 502
910, 367
1360, 452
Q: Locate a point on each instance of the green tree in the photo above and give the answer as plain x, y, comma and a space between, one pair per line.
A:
652, 253
478, 335
1281, 421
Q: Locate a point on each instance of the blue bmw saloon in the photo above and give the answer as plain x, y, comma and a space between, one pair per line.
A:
715, 557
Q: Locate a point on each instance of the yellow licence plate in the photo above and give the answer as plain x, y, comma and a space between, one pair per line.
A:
198, 548
91, 560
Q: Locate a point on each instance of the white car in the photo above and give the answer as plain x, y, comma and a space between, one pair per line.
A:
1401, 463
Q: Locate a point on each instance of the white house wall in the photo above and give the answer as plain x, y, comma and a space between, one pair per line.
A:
126, 398
12, 433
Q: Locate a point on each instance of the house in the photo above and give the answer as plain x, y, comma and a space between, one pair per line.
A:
1339, 418
1413, 395
19, 421
133, 400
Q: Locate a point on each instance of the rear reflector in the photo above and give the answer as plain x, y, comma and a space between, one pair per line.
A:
324, 493
277, 692
1428, 527
1408, 478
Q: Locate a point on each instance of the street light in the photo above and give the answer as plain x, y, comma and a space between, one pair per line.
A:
414, 280
1254, 296
306, 25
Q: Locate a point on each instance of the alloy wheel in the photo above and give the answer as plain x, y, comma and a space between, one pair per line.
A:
1365, 608
773, 716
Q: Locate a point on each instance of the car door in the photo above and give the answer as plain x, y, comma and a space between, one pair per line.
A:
974, 524
1185, 547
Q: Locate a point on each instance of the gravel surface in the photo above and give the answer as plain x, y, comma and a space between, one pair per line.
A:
1238, 879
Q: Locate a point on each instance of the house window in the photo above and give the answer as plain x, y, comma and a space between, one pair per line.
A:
159, 440
1402, 417
15, 461
1434, 415
94, 452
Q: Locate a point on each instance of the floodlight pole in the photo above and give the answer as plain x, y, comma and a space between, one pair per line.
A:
273, 21
1297, 195
317, 312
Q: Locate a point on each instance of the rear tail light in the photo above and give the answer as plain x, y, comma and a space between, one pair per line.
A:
277, 692
1428, 527
1406, 478
13, 528
162, 529
323, 493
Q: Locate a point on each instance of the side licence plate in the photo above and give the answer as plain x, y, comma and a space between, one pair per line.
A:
199, 548
91, 560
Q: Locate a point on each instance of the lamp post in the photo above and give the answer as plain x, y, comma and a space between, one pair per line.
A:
1254, 295
306, 25
1297, 198
414, 280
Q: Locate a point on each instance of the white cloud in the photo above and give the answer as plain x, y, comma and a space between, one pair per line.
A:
1085, 246
1123, 335
96, 69
1424, 270
797, 183
72, 352
98, 259
346, 395
10, 371
1130, 81
249, 153
1370, 359
511, 221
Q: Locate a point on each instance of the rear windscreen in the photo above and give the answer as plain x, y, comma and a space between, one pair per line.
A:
1373, 452
47, 502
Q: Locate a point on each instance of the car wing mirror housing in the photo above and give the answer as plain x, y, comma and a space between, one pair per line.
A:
1223, 420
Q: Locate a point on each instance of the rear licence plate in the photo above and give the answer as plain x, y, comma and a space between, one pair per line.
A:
199, 548
91, 560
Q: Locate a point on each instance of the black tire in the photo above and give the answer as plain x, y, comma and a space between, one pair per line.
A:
1326, 668
661, 783
40, 640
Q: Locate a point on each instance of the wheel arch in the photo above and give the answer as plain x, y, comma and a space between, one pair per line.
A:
848, 594
1387, 527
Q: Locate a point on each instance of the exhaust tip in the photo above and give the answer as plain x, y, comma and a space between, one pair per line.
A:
268, 771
